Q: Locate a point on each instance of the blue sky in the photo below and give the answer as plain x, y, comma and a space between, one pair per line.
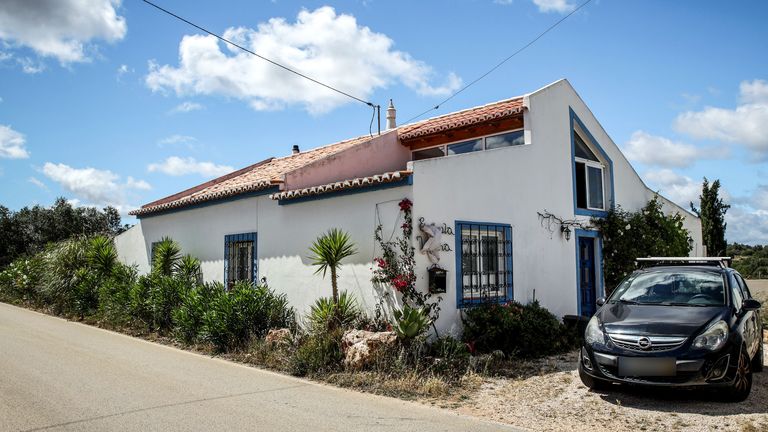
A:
109, 102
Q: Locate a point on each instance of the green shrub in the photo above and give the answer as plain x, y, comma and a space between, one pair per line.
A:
325, 316
115, 295
523, 331
20, 281
61, 284
410, 323
318, 352
166, 256
165, 295
188, 317
235, 316
139, 300
188, 269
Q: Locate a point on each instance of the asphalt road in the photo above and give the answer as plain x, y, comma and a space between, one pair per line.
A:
64, 376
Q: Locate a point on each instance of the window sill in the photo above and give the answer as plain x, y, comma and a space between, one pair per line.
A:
592, 213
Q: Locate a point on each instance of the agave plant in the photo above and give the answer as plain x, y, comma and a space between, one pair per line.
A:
410, 322
328, 251
166, 256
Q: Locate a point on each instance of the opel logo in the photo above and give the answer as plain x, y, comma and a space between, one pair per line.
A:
644, 342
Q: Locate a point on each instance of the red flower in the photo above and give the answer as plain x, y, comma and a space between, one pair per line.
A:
405, 204
400, 282
381, 262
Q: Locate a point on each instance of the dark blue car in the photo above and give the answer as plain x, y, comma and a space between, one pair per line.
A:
676, 322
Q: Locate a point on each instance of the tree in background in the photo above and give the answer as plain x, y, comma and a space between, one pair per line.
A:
30, 229
750, 261
712, 213
630, 235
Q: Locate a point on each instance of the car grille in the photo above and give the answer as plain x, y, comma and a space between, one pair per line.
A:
643, 343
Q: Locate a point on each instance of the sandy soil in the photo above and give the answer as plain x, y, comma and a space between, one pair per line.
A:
553, 398
548, 395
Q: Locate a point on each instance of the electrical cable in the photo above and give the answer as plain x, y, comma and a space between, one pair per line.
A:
293, 71
498, 65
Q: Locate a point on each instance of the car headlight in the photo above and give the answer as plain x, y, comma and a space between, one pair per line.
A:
712, 338
593, 334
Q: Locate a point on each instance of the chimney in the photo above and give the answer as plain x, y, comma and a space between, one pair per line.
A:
295, 149
391, 124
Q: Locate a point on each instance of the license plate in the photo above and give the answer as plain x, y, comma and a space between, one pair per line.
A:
647, 366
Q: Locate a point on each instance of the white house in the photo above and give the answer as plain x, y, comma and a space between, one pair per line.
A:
484, 176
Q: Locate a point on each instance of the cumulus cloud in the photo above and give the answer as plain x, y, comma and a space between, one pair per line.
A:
660, 151
60, 29
559, 6
94, 186
746, 124
176, 166
12, 144
681, 189
186, 107
332, 48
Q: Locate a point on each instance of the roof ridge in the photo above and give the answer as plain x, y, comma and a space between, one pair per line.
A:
321, 147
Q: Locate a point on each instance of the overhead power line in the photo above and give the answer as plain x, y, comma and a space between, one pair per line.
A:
498, 65
293, 71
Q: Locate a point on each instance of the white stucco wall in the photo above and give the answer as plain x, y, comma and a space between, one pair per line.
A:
508, 185
285, 233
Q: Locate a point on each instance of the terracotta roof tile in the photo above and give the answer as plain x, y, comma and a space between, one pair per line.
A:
342, 185
492, 111
250, 179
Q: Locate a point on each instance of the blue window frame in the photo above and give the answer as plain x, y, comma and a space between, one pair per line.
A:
240, 259
592, 172
483, 263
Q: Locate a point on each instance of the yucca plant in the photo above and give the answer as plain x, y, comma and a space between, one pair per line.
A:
326, 315
166, 257
328, 251
188, 269
102, 255
410, 323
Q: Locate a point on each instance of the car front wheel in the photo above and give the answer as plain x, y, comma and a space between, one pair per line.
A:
742, 384
591, 382
757, 362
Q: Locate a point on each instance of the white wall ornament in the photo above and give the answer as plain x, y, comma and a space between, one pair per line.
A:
432, 245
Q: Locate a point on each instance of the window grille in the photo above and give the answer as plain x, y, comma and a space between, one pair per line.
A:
484, 267
240, 259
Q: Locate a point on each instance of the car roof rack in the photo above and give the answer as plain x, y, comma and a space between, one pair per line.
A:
722, 262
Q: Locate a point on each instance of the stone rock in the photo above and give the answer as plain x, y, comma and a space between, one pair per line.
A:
278, 336
361, 345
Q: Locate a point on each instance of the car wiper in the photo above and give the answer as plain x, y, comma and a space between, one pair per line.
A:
625, 301
685, 304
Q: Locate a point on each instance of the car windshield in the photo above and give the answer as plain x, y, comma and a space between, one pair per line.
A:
678, 287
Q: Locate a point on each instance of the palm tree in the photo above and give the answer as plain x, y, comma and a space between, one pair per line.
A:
327, 252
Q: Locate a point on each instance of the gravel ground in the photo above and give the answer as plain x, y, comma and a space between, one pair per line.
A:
548, 395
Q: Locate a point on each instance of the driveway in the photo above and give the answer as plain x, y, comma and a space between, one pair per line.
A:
58, 375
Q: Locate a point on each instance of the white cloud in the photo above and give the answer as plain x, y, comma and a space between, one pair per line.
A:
176, 139
177, 166
186, 107
37, 183
747, 124
94, 186
678, 188
559, 6
12, 144
746, 225
30, 66
60, 28
660, 151
755, 91
332, 48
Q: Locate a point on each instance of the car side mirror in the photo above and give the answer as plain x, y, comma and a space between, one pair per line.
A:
600, 301
750, 305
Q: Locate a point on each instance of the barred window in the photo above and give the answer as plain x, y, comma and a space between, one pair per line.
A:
240, 258
484, 263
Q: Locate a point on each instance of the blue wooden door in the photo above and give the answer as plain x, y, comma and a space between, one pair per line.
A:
587, 285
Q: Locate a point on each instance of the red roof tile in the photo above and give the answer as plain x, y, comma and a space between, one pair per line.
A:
249, 179
493, 111
342, 185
